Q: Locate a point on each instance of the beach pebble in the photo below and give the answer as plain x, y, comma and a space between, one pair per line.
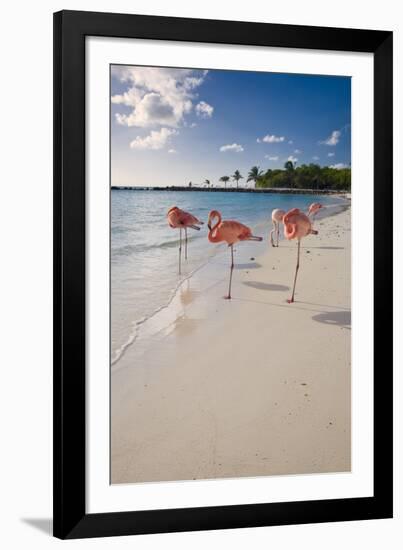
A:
252, 258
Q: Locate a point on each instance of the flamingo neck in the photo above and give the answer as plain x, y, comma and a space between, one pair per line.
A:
212, 235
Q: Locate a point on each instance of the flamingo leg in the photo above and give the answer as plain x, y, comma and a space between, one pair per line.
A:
278, 232
186, 243
271, 234
291, 300
180, 248
230, 273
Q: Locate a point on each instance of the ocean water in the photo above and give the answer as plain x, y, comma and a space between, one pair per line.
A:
144, 249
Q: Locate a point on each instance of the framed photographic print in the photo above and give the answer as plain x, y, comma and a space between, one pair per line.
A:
223, 287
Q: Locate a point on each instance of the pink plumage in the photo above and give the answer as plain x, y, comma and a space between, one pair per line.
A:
296, 226
314, 208
179, 219
231, 232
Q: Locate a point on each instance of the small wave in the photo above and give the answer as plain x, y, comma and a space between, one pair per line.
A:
132, 338
138, 324
130, 249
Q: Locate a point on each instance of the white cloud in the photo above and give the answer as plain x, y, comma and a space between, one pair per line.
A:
292, 159
333, 139
193, 125
330, 154
204, 110
157, 139
297, 151
339, 166
315, 158
271, 139
234, 147
270, 158
290, 142
173, 151
156, 96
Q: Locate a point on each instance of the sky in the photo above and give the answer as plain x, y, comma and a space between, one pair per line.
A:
170, 126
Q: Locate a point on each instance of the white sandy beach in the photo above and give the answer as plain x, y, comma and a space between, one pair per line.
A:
253, 386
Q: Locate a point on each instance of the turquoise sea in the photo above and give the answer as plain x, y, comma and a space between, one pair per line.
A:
144, 249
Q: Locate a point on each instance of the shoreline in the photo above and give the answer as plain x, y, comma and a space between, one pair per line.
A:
330, 210
273, 190
169, 382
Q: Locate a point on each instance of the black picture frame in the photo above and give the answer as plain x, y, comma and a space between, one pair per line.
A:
70, 517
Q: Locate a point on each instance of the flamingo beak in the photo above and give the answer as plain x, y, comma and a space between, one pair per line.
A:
209, 226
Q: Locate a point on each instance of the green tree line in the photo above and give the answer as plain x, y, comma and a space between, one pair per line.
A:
306, 176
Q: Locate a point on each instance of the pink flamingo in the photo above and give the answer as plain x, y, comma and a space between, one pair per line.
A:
231, 232
296, 226
276, 218
314, 208
178, 218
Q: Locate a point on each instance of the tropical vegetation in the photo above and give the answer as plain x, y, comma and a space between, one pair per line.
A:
225, 180
236, 177
255, 173
306, 176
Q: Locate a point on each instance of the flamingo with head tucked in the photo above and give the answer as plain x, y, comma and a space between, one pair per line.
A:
296, 226
178, 218
276, 218
231, 232
314, 208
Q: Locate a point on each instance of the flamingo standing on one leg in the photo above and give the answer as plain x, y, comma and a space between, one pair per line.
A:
231, 232
314, 208
276, 218
178, 218
296, 226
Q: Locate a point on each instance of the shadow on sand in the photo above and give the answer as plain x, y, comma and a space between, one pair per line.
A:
307, 247
336, 318
252, 265
327, 247
265, 286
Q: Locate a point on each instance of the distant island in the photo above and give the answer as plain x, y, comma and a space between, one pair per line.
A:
307, 178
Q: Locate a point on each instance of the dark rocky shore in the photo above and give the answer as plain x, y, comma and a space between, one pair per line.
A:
234, 190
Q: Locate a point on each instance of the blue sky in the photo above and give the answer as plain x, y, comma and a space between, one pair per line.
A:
171, 126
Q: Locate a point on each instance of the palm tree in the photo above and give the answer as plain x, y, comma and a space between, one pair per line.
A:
255, 173
207, 182
289, 165
225, 179
236, 177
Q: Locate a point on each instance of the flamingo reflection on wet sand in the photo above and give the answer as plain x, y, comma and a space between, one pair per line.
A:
296, 226
231, 232
179, 219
